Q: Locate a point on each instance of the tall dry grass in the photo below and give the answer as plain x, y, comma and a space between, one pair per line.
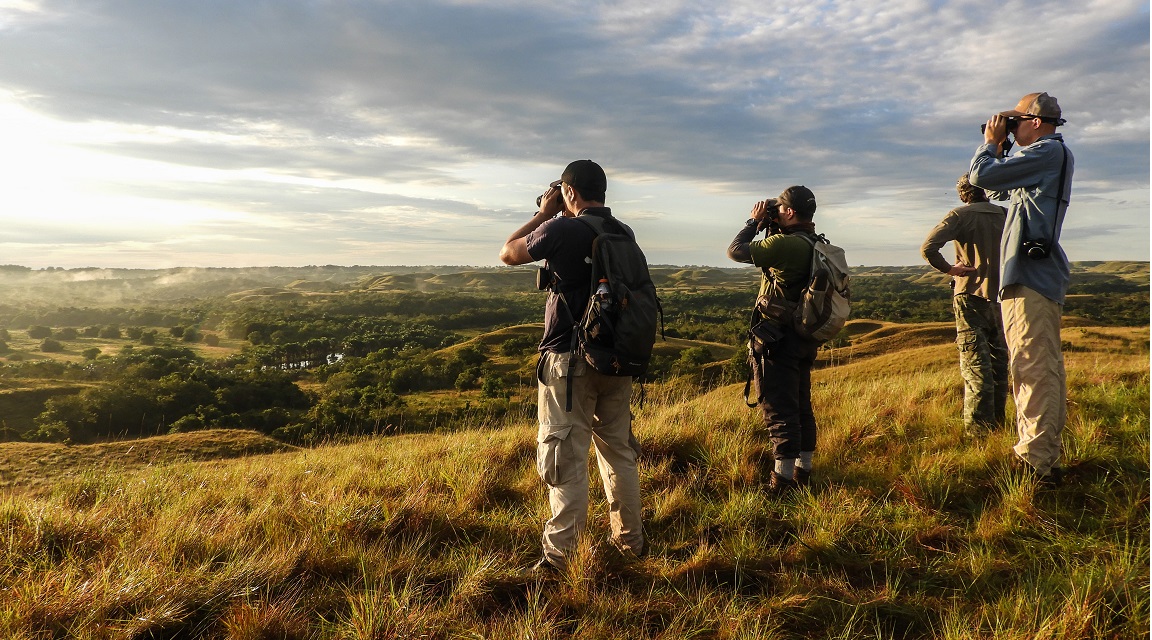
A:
911, 530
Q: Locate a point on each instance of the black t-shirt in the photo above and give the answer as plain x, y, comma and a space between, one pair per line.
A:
566, 244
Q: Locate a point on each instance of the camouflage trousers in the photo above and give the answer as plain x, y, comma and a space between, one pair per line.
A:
983, 361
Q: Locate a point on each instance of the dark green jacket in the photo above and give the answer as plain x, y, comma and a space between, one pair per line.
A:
785, 257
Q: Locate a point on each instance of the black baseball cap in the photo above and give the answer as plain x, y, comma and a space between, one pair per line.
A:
799, 198
585, 175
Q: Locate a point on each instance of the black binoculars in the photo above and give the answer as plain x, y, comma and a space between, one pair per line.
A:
1010, 126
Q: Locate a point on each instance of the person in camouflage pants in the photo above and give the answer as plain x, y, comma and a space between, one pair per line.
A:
975, 230
983, 361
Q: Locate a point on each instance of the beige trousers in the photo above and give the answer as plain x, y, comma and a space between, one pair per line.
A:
1032, 330
600, 416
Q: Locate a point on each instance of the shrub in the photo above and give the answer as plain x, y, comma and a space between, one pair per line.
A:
48, 345
67, 333
190, 422
90, 354
694, 356
736, 368
471, 356
494, 387
111, 332
37, 332
466, 380
516, 345
54, 431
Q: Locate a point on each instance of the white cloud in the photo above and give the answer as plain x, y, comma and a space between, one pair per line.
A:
297, 132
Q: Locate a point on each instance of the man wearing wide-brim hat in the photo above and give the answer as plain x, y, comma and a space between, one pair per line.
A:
1034, 271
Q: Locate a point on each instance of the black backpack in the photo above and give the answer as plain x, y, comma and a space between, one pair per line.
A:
616, 334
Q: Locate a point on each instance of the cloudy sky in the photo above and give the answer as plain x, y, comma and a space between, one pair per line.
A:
155, 133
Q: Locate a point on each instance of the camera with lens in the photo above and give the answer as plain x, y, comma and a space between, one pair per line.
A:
544, 278
1035, 249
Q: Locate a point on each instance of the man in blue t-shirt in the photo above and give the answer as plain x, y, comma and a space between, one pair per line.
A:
1034, 272
600, 411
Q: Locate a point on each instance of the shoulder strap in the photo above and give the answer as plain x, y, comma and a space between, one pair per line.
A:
1059, 198
810, 241
811, 268
1060, 190
599, 224
596, 227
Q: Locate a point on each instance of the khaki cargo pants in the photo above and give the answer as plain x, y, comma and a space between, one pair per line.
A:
601, 417
1032, 329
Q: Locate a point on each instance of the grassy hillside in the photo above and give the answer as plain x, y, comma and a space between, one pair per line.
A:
35, 466
910, 531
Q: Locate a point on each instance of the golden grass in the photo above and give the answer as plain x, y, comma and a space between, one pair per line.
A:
25, 465
910, 531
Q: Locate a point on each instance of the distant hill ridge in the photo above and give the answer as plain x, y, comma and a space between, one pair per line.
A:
120, 286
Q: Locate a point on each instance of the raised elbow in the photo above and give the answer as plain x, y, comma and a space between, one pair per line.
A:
515, 252
739, 253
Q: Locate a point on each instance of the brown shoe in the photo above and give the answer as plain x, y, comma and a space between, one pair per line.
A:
1054, 479
779, 485
802, 477
542, 570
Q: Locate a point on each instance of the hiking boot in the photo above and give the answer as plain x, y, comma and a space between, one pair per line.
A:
621, 561
802, 477
542, 570
1051, 480
779, 485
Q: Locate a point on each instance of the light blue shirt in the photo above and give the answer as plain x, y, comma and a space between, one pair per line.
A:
1032, 177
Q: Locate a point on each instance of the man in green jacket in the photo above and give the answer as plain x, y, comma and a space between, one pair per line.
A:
782, 369
975, 230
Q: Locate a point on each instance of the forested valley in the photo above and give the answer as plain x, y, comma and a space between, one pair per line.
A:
312, 354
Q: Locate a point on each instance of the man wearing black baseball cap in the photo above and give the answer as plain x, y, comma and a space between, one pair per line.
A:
600, 413
782, 360
1034, 271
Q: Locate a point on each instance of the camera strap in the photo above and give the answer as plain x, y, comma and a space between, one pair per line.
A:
1059, 198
